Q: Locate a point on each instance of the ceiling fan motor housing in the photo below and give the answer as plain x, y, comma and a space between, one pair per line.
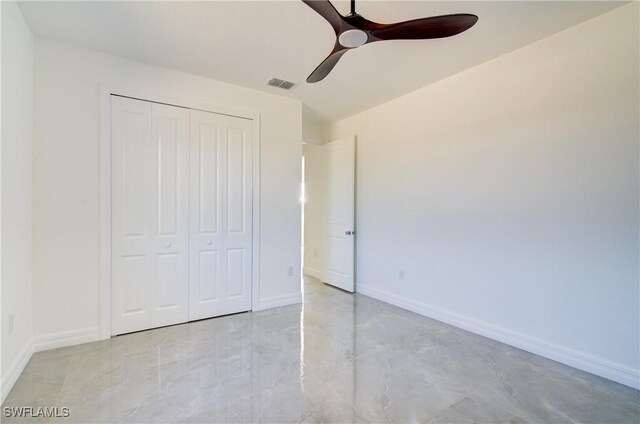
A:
353, 38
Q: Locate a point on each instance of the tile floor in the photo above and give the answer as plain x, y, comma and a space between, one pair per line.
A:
339, 358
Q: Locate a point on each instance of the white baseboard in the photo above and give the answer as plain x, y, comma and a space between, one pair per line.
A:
15, 369
276, 301
573, 358
66, 338
312, 272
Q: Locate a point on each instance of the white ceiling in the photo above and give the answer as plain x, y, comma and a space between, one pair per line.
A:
248, 42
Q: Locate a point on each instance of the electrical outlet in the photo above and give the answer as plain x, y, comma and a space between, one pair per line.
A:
11, 323
401, 274
290, 271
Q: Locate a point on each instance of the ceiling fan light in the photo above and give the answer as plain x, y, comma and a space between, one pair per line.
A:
353, 38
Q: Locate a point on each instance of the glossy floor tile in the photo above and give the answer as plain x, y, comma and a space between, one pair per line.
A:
338, 358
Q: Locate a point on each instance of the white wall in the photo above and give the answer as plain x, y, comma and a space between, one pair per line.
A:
67, 179
315, 209
314, 129
17, 137
509, 193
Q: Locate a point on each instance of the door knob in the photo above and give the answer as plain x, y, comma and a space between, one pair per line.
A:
349, 233
168, 244
209, 242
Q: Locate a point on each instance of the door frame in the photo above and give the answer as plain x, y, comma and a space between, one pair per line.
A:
157, 96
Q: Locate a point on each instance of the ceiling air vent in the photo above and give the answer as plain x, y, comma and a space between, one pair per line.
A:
279, 83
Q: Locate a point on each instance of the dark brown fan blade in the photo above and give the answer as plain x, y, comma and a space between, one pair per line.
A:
420, 29
327, 65
325, 9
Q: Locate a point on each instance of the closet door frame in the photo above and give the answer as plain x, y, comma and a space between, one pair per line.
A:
163, 97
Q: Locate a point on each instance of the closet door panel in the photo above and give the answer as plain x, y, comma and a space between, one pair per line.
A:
236, 187
206, 242
170, 134
133, 273
131, 227
238, 228
235, 273
150, 169
206, 169
207, 290
220, 274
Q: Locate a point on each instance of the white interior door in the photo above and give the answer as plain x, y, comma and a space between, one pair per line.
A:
340, 213
150, 221
221, 215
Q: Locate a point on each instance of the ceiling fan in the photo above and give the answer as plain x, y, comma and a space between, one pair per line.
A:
354, 31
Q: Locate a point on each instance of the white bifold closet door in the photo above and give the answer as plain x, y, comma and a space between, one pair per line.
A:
150, 215
221, 218
181, 214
